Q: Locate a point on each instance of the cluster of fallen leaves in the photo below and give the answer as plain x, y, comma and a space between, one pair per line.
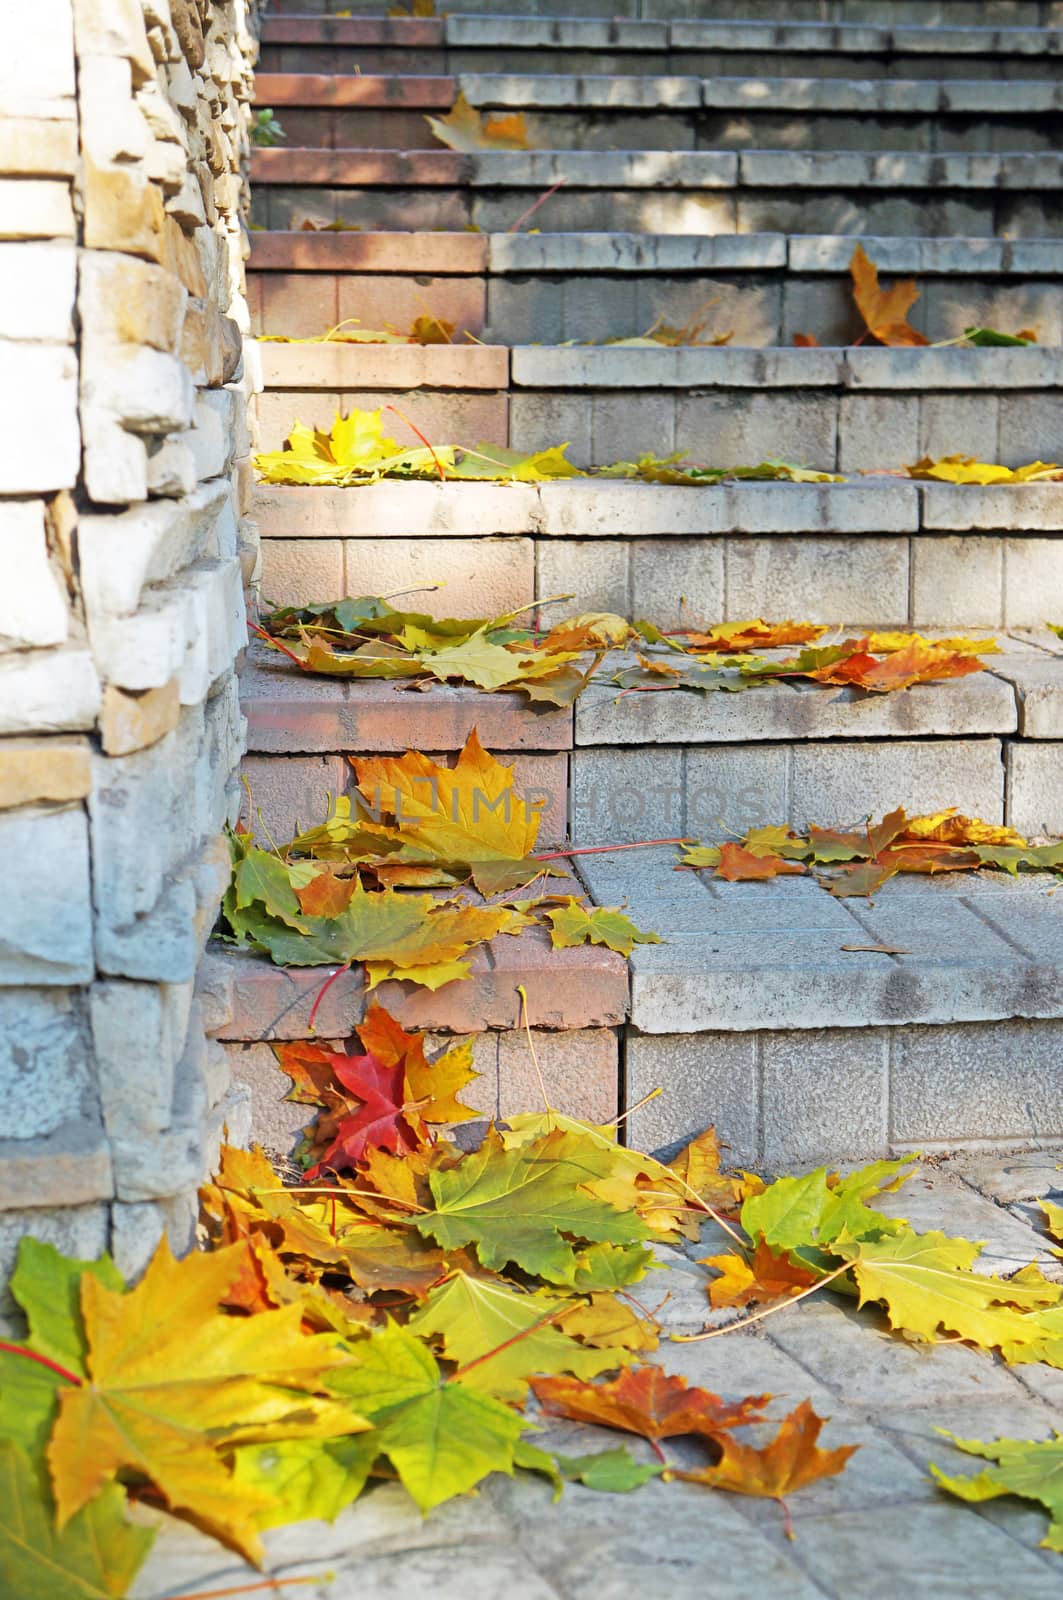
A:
425, 329
394, 1315
861, 860
885, 313
365, 637
355, 450
346, 890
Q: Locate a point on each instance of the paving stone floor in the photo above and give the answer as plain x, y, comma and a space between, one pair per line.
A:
879, 1529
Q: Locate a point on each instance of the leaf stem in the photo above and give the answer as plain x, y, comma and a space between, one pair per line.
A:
758, 1316
322, 992
414, 429
543, 198
252, 1588
42, 1361
605, 849
515, 1338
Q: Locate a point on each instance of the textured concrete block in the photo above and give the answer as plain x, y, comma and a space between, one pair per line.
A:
626, 426
833, 784
296, 572
1033, 582
967, 423
579, 1068
957, 582
827, 580
45, 1062
976, 1081
68, 1167
1030, 428
825, 1092
880, 430
80, 1231
596, 573
677, 582
619, 796
1035, 786
728, 791
741, 429
482, 578
47, 856
709, 1080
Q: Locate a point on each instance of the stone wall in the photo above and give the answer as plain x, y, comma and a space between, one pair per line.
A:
124, 476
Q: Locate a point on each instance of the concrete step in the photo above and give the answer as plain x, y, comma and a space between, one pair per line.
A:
472, 44
606, 112
544, 288
700, 191
924, 555
719, 763
834, 409
879, 13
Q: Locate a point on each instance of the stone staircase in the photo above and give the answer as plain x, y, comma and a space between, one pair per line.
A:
730, 158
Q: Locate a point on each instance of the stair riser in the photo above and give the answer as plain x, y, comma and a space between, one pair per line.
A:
906, 213
760, 308
791, 1097
982, 580
382, 128
770, 63
829, 430
718, 791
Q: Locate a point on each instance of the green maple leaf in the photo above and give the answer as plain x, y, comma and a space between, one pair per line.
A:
96, 1556
925, 1283
609, 1471
515, 1205
1032, 1469
505, 1335
307, 1479
808, 1211
441, 1437
573, 923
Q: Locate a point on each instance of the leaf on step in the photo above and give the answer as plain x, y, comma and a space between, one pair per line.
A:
646, 1401
1032, 1469
965, 469
739, 865
174, 1381
498, 464
789, 1462
573, 924
469, 130
885, 311
806, 341
915, 662
735, 637
989, 337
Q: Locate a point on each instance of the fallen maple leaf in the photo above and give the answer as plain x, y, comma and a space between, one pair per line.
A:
468, 130
654, 1404
1032, 1469
965, 469
737, 864
727, 637
172, 1381
885, 311
767, 1276
915, 662
789, 1462
806, 341
573, 924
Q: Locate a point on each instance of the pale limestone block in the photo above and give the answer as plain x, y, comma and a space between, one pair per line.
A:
161, 117
677, 582
121, 555
45, 1062
160, 945
38, 418
114, 28
115, 462
127, 301
43, 772
864, 580
39, 60
171, 470
36, 208
123, 211
146, 391
154, 1018
47, 876
146, 650
37, 147
138, 1226
32, 604
38, 284
112, 128
48, 691
211, 439
130, 721
71, 1167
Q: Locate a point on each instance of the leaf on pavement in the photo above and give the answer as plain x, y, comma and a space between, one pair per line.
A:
441, 1437
173, 1380
609, 1471
768, 1276
95, 1555
737, 637
817, 1207
1029, 1468
966, 469
503, 1337
736, 864
654, 1404
885, 311
464, 128
790, 1461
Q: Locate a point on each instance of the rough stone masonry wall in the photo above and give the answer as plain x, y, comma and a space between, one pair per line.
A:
124, 551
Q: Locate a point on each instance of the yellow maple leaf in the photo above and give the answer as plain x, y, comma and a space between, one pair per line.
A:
466, 129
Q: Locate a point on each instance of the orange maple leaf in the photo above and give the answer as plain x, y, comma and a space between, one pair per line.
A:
728, 637
649, 1402
916, 663
464, 128
885, 311
766, 1277
790, 1461
739, 865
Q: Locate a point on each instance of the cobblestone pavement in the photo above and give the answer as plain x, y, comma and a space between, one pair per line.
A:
878, 1530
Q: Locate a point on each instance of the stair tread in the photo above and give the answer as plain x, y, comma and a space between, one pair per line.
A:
980, 947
